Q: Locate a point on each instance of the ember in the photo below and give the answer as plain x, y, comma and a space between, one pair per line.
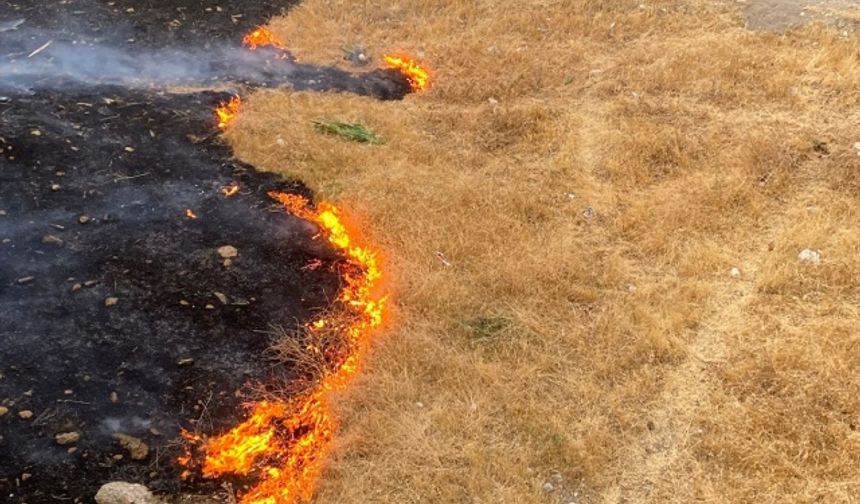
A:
190, 213
230, 190
286, 443
418, 76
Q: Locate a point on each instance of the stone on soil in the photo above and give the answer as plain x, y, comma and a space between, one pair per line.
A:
65, 438
228, 252
135, 447
125, 493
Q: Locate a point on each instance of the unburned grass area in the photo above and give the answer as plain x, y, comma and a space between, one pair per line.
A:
559, 214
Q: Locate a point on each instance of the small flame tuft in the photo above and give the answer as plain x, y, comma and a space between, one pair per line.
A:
190, 213
226, 112
283, 445
417, 75
262, 37
231, 190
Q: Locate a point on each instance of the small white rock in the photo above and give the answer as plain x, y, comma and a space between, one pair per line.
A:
124, 493
548, 487
810, 256
857, 147
735, 273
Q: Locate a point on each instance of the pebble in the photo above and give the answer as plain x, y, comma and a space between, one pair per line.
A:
810, 256
111, 301
26, 476
52, 240
26, 280
3, 410
55, 187
548, 487
185, 362
65, 438
735, 273
228, 252
25, 414
857, 148
221, 297
83, 219
119, 492
136, 447
114, 397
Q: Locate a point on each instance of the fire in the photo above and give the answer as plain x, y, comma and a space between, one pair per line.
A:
262, 37
230, 190
226, 112
283, 445
190, 213
418, 76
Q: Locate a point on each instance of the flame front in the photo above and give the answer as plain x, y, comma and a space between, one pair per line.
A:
227, 111
262, 37
283, 445
417, 75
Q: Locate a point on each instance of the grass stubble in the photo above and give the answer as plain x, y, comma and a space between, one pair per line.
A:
559, 215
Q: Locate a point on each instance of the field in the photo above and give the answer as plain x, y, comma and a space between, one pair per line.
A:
592, 225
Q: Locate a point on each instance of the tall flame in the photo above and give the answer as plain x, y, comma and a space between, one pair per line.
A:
283, 445
262, 37
227, 111
417, 75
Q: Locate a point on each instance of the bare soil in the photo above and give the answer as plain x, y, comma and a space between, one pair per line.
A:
784, 14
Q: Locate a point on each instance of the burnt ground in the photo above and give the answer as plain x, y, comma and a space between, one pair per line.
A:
147, 23
118, 313
94, 194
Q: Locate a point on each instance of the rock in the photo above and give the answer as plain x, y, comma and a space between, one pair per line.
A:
65, 438
111, 301
735, 273
55, 187
26, 280
136, 448
857, 147
810, 256
83, 219
26, 476
548, 487
187, 361
221, 297
119, 492
3, 410
114, 397
25, 414
52, 240
228, 252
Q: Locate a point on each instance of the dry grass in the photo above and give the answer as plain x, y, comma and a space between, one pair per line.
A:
592, 170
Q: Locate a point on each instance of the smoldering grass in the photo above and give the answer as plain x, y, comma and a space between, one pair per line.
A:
355, 132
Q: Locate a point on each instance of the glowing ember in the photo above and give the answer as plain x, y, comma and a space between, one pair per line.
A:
230, 190
262, 37
190, 214
226, 112
284, 444
418, 76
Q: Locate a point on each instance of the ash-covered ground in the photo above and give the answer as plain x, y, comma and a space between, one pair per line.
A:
136, 298
120, 314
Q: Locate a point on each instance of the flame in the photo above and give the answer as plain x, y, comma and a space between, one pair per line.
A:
190, 213
417, 75
262, 37
230, 190
284, 444
227, 111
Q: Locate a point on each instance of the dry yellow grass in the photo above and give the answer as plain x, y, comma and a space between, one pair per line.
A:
592, 171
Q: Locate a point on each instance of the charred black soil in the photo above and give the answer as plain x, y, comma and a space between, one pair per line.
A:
147, 23
118, 312
136, 297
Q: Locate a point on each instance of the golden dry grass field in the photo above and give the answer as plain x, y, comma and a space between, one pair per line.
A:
592, 171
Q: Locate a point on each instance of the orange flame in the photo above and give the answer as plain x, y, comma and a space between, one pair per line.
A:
417, 75
230, 190
226, 112
285, 444
262, 37
190, 213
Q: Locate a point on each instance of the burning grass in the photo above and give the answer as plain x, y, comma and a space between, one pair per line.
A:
590, 172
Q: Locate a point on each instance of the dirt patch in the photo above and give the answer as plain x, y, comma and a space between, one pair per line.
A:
784, 14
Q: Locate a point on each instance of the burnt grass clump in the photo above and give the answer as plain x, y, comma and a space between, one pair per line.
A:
136, 298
